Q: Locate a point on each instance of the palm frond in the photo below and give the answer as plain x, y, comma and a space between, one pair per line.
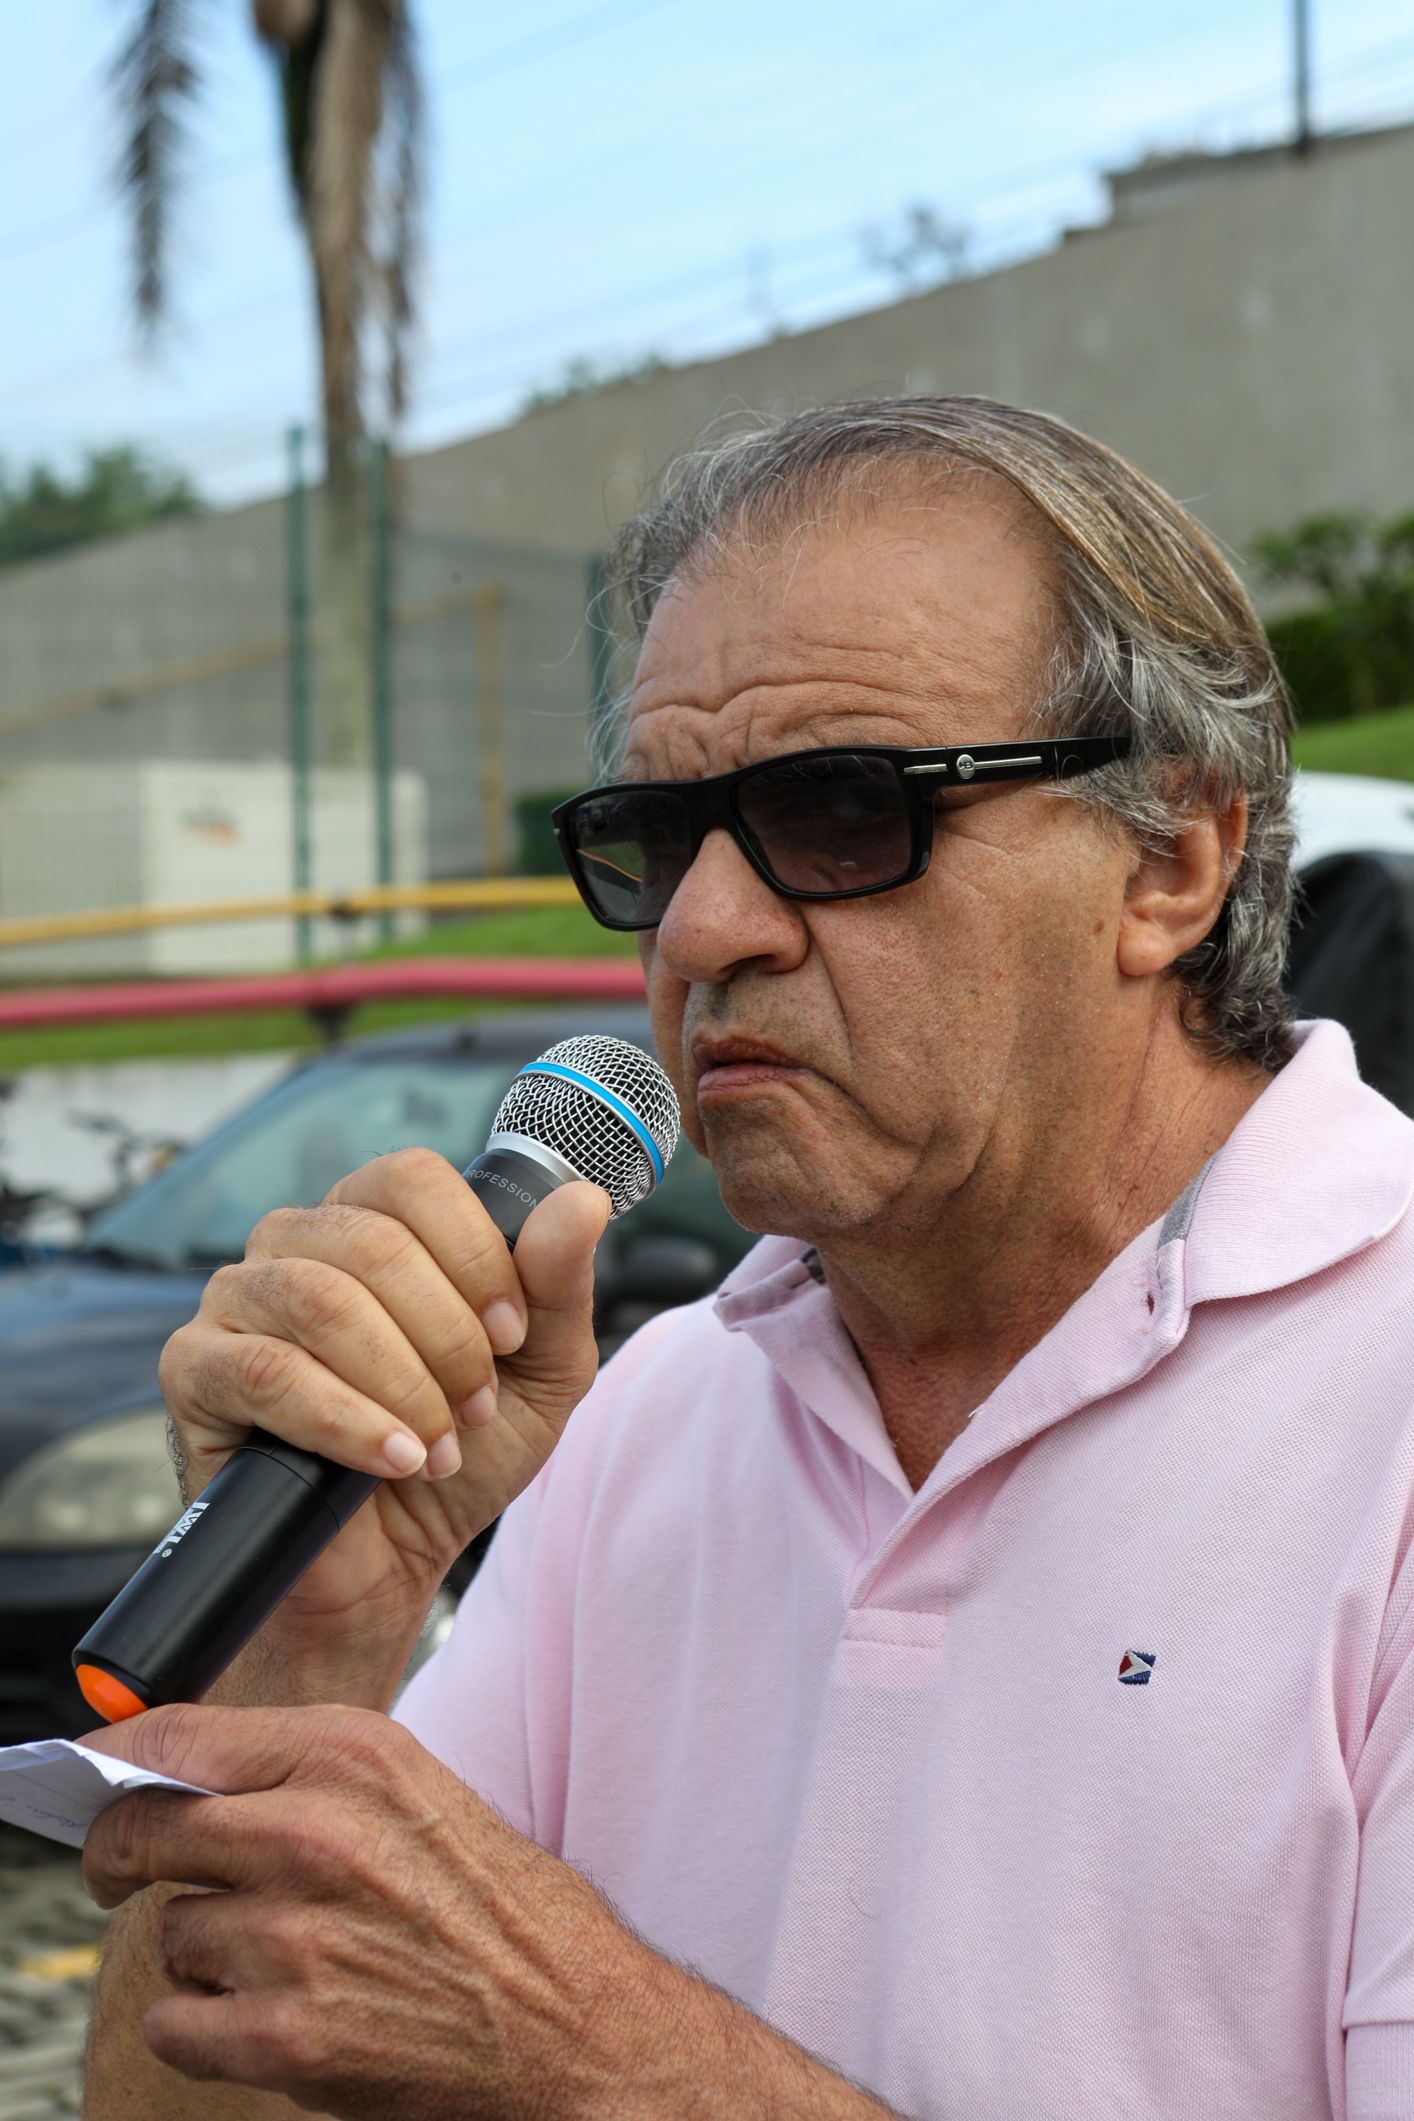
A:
155, 80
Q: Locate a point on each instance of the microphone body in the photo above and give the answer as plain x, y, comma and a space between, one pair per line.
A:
235, 1553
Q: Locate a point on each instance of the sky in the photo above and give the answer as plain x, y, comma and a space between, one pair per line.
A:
607, 182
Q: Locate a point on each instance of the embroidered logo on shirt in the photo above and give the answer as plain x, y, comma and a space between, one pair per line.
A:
1135, 1667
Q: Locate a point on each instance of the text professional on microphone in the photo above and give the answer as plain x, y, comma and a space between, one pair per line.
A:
965, 1669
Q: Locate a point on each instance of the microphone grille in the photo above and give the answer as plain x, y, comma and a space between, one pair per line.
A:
580, 1123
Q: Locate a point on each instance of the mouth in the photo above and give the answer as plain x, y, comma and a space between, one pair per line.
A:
730, 1066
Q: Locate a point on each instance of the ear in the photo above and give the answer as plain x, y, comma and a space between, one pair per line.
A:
1173, 897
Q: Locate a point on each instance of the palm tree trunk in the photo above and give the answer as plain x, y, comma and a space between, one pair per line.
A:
346, 119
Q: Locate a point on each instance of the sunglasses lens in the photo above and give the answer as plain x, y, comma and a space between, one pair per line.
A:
634, 851
832, 823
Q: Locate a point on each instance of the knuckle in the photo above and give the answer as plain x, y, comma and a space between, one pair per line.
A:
287, 1943
464, 1349
266, 1238
379, 1243
172, 1731
262, 1372
483, 1265
111, 1846
416, 1166
391, 1175
174, 1362
317, 1297
292, 2033
224, 1286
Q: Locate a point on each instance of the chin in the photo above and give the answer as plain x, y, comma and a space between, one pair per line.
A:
774, 1196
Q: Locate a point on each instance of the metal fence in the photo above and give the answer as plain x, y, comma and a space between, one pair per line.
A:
223, 707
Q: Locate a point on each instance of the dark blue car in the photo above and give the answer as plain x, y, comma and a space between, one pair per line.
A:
86, 1482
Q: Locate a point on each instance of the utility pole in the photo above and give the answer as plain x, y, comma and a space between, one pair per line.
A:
381, 631
494, 822
297, 597
1301, 42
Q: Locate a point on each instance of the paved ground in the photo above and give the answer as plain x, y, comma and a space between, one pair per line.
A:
49, 1934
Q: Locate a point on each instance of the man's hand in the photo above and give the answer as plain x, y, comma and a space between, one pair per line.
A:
391, 1329
374, 1943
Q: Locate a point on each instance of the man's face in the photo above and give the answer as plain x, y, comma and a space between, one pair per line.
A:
846, 1062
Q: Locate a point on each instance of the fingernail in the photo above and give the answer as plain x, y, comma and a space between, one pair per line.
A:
444, 1457
505, 1328
474, 1413
404, 1454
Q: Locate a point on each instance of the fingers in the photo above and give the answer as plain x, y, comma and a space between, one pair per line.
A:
229, 1749
234, 1380
410, 1283
207, 2037
383, 1329
260, 1317
433, 1201
399, 1288
555, 1260
267, 1815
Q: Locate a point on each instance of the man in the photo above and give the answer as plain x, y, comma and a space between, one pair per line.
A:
971, 1658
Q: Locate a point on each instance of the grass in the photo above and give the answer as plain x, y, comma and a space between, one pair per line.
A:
541, 931
1380, 744
538, 931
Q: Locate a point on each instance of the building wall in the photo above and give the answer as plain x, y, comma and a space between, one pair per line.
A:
1248, 338
1252, 346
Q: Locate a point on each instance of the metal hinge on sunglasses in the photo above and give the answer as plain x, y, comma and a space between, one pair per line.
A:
967, 765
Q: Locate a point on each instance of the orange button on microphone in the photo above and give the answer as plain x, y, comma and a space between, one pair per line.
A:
113, 1701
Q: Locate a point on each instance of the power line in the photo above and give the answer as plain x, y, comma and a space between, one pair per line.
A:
548, 43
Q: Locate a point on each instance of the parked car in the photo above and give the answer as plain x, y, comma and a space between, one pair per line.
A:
1352, 941
86, 1484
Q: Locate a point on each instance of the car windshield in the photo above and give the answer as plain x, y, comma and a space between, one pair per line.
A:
293, 1145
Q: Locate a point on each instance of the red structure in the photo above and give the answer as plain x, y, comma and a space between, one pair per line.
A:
331, 993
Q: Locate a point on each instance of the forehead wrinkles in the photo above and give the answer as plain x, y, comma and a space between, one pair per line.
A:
741, 642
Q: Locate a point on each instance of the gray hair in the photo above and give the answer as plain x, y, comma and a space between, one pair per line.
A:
1155, 639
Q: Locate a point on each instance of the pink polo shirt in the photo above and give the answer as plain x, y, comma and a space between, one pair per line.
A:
1079, 1783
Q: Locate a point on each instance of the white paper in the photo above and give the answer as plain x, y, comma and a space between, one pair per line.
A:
58, 1788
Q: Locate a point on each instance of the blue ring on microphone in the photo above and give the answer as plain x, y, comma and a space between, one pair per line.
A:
606, 1097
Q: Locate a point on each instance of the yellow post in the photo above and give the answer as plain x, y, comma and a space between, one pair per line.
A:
494, 824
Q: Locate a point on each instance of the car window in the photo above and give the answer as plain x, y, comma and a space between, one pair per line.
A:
294, 1144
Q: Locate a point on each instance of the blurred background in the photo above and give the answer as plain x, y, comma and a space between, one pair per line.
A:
341, 335
344, 333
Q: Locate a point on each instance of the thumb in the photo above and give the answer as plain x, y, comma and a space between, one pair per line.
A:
555, 1364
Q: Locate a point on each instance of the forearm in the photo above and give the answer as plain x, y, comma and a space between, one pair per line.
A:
358, 1665
683, 2051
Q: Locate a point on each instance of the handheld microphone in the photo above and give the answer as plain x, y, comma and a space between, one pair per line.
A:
595, 1108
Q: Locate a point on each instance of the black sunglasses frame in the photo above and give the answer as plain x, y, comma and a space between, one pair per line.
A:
711, 804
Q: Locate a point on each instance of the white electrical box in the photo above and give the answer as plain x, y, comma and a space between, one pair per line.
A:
161, 832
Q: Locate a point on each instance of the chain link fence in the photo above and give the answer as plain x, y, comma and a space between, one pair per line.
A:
246, 703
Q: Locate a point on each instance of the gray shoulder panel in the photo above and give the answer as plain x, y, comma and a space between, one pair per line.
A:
1180, 1216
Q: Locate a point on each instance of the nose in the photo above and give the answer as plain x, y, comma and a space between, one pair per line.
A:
723, 916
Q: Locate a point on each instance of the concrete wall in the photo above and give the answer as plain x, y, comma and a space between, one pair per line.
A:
1248, 339
170, 644
1252, 346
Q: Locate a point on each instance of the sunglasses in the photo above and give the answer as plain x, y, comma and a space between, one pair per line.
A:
843, 822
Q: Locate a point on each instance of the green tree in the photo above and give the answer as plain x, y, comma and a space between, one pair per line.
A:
1353, 652
118, 489
351, 101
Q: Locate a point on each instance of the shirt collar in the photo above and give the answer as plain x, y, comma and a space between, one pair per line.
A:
1317, 1169
1320, 1167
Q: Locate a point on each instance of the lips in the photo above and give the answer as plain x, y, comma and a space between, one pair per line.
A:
735, 1064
